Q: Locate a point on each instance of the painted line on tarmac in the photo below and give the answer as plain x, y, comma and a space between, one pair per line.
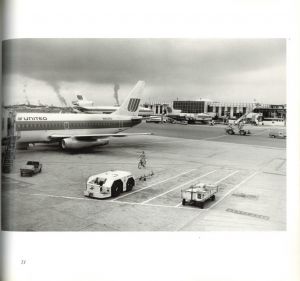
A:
156, 183
53, 196
258, 134
268, 147
274, 173
164, 142
212, 138
155, 205
178, 186
104, 201
185, 140
234, 188
233, 173
90, 199
150, 205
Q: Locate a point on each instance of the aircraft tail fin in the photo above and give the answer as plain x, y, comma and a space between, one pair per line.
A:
80, 97
82, 101
130, 106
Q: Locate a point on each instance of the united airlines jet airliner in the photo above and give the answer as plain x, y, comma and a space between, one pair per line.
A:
76, 131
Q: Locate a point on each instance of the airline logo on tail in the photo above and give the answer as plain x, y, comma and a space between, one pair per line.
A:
133, 105
130, 105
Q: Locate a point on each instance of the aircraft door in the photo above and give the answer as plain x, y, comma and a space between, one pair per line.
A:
121, 124
66, 125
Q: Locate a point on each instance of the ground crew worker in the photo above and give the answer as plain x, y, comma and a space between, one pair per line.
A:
241, 125
142, 162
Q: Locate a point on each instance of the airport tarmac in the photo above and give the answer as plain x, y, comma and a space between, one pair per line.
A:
250, 172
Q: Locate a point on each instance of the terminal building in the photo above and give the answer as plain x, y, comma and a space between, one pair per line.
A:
219, 109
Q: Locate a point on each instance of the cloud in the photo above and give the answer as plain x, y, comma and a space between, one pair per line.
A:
176, 65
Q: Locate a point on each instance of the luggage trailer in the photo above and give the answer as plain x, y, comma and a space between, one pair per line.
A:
198, 194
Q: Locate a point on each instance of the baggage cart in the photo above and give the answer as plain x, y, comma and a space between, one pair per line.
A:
198, 194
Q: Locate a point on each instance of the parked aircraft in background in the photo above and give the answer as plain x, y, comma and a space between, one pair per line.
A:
177, 115
77, 131
203, 118
85, 106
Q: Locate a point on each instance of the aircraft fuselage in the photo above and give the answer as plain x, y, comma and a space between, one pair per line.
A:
38, 127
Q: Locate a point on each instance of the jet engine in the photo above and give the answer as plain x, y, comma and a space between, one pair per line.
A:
73, 143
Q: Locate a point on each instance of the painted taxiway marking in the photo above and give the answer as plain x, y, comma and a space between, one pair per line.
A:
145, 202
101, 201
185, 140
176, 187
233, 173
231, 190
54, 196
150, 205
156, 183
258, 134
212, 138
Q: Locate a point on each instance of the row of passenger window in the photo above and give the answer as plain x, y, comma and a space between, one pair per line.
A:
64, 125
91, 124
37, 126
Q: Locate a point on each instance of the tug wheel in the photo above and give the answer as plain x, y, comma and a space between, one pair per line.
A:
116, 188
130, 184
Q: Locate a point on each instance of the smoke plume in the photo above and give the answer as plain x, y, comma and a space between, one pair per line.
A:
27, 100
116, 96
56, 88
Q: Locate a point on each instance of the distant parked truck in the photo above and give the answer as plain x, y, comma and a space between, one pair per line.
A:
198, 194
277, 133
31, 168
156, 119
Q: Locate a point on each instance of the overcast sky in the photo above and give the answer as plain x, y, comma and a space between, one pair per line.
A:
54, 70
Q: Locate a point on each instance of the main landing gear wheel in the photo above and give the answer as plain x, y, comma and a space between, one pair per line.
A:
62, 144
201, 205
183, 202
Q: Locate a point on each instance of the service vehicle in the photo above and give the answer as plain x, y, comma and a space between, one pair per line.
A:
156, 119
277, 133
31, 168
109, 184
237, 130
198, 194
231, 120
173, 121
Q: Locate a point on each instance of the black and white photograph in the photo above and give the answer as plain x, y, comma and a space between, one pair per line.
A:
144, 135
150, 140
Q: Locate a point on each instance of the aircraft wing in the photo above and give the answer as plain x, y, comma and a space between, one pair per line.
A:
96, 136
